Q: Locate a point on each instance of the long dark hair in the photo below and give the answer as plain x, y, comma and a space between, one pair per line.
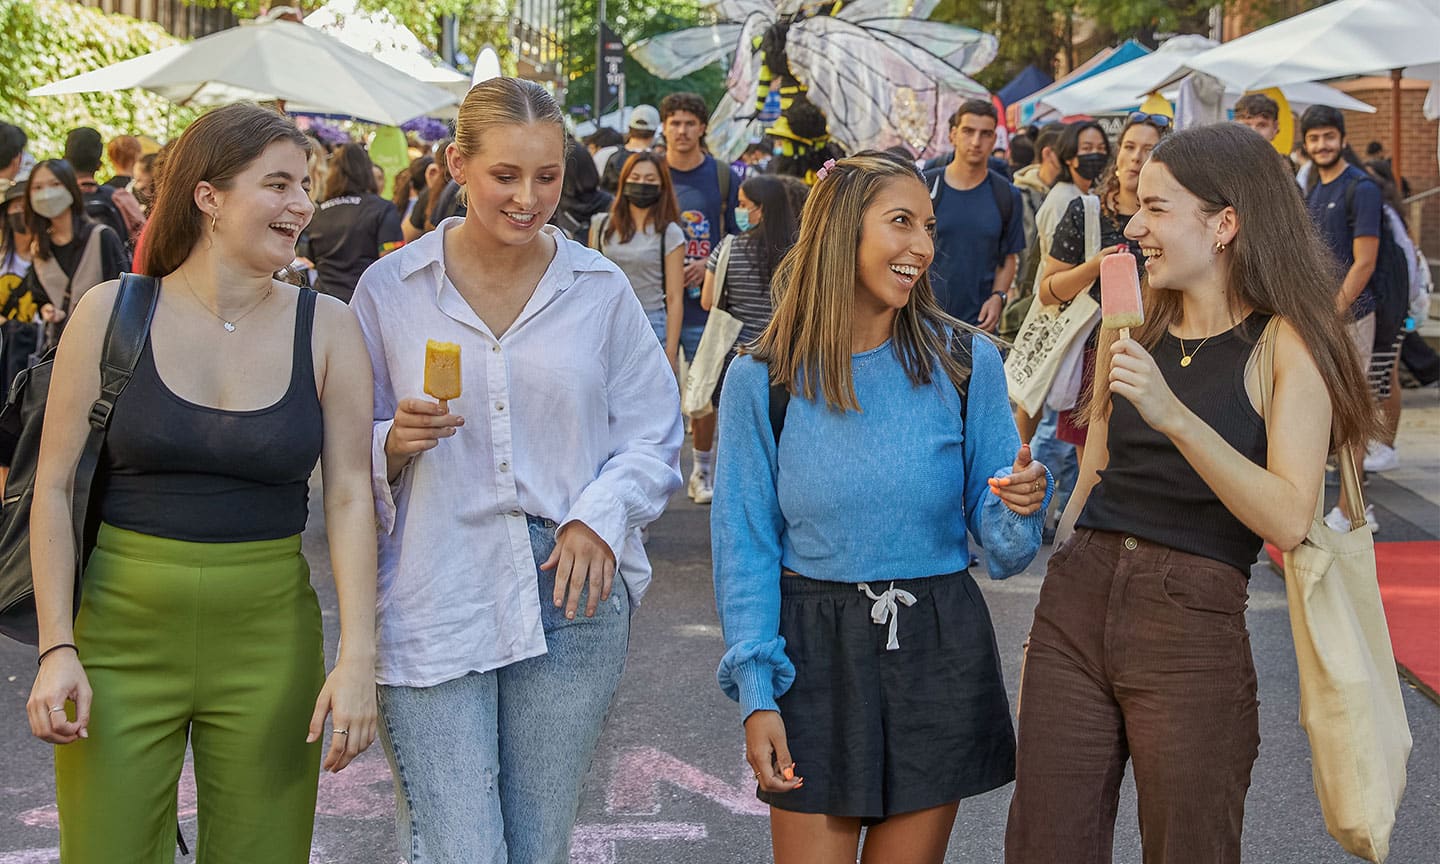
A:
659, 217
779, 226
40, 226
351, 173
410, 181
215, 149
1277, 265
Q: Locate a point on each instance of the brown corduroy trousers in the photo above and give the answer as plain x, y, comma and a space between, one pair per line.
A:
1138, 652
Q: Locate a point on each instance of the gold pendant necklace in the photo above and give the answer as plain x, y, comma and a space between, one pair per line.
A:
1187, 356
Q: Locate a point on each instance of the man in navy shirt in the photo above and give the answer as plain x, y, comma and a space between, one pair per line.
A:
708, 193
979, 222
1345, 206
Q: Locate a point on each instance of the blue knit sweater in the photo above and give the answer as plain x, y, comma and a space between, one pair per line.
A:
886, 493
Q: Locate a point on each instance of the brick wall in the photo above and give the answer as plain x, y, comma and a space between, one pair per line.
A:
1417, 139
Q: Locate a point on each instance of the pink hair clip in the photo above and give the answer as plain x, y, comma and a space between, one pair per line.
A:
824, 170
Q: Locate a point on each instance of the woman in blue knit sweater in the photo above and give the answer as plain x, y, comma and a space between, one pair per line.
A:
858, 645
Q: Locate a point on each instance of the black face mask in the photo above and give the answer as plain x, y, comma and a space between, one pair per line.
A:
1091, 164
16, 222
642, 194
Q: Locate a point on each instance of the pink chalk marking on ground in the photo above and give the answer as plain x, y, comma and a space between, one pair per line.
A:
595, 844
639, 771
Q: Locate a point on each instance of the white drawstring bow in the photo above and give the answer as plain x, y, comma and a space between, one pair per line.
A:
885, 609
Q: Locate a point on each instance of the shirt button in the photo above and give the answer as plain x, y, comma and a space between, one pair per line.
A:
504, 466
1131, 543
499, 406
495, 348
515, 513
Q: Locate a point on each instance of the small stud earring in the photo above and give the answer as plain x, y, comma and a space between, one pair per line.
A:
1219, 247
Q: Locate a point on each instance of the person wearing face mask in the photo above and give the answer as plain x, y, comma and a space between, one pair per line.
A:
72, 253
1068, 271
21, 301
768, 228
642, 235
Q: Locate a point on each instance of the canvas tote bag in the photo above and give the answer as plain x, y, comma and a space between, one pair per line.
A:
1053, 337
1350, 702
721, 331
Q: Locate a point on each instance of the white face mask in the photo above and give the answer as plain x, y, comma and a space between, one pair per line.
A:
51, 201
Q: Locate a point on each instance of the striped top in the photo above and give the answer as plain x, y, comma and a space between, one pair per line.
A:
747, 288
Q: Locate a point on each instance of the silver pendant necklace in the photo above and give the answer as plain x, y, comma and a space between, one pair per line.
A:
229, 324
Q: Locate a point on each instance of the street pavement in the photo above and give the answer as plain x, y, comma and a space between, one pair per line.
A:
669, 782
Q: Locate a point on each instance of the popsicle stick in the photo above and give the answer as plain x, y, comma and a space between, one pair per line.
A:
444, 406
1124, 334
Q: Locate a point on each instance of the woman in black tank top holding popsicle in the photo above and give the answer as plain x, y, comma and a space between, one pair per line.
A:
1139, 649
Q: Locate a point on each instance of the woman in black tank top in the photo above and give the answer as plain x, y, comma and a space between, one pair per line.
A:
1139, 650
197, 621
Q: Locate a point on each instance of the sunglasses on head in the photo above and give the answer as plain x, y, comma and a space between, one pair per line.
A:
1159, 121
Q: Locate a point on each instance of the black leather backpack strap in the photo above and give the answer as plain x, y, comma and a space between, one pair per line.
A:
124, 340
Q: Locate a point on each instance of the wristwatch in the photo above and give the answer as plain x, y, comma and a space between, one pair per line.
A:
1003, 295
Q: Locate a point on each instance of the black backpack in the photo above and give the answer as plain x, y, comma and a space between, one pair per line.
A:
20, 429
1000, 188
1391, 279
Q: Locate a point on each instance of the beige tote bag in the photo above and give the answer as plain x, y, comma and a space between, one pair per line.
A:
721, 331
1350, 703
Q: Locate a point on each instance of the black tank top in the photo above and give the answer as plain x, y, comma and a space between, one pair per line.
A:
183, 471
1148, 489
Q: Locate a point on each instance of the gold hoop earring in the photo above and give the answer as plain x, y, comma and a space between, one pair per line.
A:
214, 221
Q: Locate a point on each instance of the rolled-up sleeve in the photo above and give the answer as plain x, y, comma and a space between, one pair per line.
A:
746, 525
991, 442
645, 432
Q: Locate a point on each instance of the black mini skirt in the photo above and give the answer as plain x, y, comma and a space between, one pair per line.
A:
899, 703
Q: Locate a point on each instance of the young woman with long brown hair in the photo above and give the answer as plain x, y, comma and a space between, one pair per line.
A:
642, 235
891, 723
198, 620
1068, 271
1139, 649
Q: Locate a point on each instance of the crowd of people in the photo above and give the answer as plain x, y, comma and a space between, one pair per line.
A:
488, 544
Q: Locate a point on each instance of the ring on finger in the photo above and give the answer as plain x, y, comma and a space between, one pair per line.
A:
57, 708
345, 732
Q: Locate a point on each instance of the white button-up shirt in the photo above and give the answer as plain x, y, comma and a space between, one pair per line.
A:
571, 414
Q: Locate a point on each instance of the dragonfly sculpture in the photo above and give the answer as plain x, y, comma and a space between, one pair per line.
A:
859, 74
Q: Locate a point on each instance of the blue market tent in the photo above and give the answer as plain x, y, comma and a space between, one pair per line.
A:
1028, 81
1106, 59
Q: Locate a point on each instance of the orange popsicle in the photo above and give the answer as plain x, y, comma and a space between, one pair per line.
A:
1120, 303
442, 370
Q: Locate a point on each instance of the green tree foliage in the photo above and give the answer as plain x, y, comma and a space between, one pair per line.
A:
633, 20
47, 40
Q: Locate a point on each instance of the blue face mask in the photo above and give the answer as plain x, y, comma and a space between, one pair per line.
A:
742, 219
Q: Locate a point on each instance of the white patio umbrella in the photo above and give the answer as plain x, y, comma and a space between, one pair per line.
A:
1336, 40
264, 60
381, 35
1122, 87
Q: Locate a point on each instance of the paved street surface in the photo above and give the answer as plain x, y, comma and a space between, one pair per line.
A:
669, 783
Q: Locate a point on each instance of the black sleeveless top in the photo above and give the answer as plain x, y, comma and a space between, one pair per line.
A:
1148, 490
183, 471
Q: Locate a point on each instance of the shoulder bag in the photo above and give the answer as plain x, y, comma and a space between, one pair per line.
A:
1350, 702
721, 331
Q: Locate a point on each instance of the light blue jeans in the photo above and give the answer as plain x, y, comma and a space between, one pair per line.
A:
488, 767
657, 323
1057, 455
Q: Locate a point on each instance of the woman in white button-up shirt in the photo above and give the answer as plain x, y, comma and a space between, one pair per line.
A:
502, 625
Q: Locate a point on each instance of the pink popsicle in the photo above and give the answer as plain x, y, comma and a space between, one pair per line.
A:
1120, 303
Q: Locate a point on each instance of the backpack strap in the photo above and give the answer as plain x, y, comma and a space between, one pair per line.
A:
999, 190
779, 405
124, 340
722, 178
